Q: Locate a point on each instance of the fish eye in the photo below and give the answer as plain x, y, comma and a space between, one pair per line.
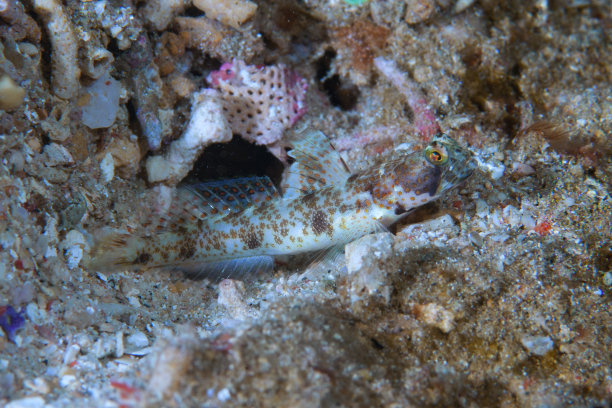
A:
436, 155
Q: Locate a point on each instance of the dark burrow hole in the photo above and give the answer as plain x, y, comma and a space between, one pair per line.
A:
341, 92
237, 158
201, 66
193, 11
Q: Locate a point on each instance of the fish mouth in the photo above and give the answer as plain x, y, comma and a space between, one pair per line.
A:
460, 166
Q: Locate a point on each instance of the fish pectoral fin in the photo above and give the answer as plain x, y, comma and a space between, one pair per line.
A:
114, 249
317, 165
238, 268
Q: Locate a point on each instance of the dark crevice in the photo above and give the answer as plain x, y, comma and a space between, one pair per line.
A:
237, 158
341, 93
193, 11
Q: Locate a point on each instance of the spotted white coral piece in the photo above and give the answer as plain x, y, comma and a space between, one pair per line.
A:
260, 103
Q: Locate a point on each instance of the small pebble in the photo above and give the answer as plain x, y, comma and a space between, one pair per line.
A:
28, 402
224, 395
56, 155
11, 95
66, 380
476, 239
231, 295
107, 167
419, 10
23, 294
38, 385
538, 345
119, 350
71, 353
462, 5
138, 339
434, 315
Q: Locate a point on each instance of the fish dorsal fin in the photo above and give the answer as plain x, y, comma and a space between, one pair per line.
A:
213, 199
317, 165
233, 195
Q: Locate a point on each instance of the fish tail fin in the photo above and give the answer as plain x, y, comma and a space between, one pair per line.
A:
113, 249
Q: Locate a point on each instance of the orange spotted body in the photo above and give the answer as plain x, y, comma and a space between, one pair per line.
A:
323, 205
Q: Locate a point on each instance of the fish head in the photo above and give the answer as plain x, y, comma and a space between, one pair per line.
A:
417, 178
455, 163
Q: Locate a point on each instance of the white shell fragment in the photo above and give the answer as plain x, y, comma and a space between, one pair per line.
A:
102, 103
231, 12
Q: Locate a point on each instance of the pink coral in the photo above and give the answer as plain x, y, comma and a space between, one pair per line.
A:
260, 102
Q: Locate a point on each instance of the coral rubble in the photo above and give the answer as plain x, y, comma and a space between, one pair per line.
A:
66, 70
207, 125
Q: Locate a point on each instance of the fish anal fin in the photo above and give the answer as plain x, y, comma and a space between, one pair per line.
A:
238, 268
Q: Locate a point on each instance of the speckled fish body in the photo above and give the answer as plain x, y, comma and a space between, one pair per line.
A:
323, 206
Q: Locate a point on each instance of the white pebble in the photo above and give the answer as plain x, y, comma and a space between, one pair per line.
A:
74, 254
538, 345
119, 350
38, 385
28, 402
224, 395
107, 167
66, 380
462, 5
138, 339
71, 353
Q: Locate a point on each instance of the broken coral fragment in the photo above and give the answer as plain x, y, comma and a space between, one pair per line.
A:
126, 155
65, 68
231, 12
160, 13
207, 125
19, 25
260, 102
146, 85
97, 62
